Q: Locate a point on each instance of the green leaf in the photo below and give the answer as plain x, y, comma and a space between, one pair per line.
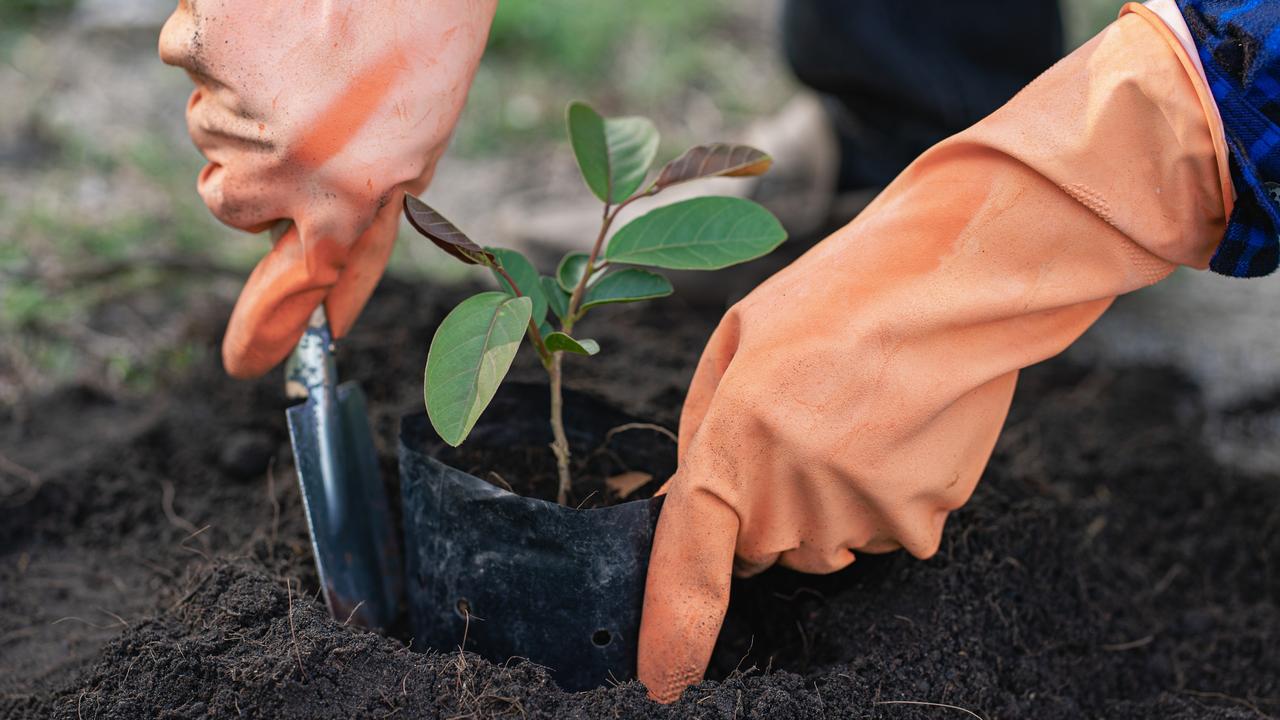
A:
570, 271
630, 285
705, 233
526, 277
559, 341
613, 154
470, 354
557, 298
545, 329
716, 159
440, 231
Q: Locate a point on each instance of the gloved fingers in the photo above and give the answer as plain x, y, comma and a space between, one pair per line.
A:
199, 40
745, 567
715, 360
238, 184
364, 267
687, 590
229, 194
319, 119
303, 269
371, 252
216, 118
177, 38
279, 297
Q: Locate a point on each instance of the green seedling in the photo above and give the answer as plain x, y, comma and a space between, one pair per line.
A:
475, 344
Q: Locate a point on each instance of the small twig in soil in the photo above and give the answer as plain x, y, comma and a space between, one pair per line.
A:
1228, 698
466, 628
33, 479
167, 493
751, 644
1167, 580
183, 544
512, 703
462, 653
153, 567
119, 619
1094, 528
293, 632
353, 613
496, 479
187, 596
929, 704
1132, 644
95, 626
585, 499
641, 426
385, 700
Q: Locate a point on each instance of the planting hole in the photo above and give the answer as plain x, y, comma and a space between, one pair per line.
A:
600, 638
464, 608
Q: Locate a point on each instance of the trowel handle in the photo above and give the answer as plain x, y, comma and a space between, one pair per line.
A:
311, 368
312, 375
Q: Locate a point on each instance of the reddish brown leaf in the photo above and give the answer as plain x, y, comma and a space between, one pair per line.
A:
440, 231
623, 484
717, 159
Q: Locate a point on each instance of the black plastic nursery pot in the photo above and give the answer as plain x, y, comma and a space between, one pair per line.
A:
519, 577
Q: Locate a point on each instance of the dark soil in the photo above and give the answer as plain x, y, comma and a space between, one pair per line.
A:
510, 447
154, 562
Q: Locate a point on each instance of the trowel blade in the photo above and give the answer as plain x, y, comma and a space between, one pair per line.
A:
352, 533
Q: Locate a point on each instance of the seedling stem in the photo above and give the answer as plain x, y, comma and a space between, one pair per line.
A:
475, 344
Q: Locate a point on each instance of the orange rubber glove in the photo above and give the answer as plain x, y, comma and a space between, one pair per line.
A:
322, 115
852, 401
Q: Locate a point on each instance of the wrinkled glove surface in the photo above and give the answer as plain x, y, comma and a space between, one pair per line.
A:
852, 401
322, 114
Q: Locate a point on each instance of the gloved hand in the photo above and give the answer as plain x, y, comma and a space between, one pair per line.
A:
852, 401
323, 117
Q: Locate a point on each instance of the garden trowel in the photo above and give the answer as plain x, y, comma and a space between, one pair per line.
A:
352, 533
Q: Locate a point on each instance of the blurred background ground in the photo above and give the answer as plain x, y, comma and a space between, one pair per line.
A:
104, 235
104, 244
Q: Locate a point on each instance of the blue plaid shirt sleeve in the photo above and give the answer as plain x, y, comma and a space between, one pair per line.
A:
1239, 45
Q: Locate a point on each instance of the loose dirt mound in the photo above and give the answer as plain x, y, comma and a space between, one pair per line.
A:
155, 563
